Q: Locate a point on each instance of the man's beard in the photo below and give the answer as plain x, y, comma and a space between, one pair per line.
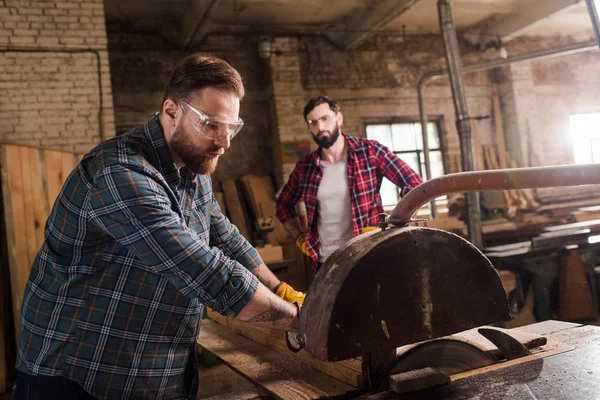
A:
194, 160
326, 142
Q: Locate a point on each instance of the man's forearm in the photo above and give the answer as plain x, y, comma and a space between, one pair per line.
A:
267, 310
266, 277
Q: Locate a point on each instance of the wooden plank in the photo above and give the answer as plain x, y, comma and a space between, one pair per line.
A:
234, 207
249, 394
417, 379
574, 225
282, 376
348, 371
568, 205
68, 162
14, 217
54, 174
40, 204
29, 210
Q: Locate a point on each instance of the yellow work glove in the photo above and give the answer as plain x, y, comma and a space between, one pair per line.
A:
368, 229
301, 243
287, 293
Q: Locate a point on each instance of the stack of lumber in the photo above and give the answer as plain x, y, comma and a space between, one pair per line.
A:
516, 199
236, 212
586, 214
247, 200
261, 196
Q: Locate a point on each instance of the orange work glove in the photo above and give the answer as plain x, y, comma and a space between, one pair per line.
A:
287, 293
301, 243
368, 229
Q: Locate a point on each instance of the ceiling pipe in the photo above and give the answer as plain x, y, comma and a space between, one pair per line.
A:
555, 52
463, 122
497, 179
595, 17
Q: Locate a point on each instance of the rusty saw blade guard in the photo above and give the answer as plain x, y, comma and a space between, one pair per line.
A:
386, 289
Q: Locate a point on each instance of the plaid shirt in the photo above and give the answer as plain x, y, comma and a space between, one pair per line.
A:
368, 162
133, 250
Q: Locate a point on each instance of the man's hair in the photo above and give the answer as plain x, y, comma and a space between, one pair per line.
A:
198, 71
317, 101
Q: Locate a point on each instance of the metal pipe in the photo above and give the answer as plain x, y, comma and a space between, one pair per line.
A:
559, 51
498, 179
425, 139
595, 17
463, 122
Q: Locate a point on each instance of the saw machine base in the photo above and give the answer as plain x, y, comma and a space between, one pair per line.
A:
566, 367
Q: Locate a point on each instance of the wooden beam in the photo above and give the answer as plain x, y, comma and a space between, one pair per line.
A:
360, 26
508, 27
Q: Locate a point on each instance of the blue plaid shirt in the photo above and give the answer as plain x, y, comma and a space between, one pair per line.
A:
133, 250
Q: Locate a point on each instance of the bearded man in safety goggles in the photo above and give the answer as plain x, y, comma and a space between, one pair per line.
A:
136, 246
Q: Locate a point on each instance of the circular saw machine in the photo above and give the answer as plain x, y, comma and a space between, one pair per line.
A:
391, 296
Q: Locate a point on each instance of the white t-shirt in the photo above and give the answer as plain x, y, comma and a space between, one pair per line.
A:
335, 209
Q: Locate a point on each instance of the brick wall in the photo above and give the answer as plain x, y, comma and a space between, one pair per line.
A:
141, 66
375, 82
54, 74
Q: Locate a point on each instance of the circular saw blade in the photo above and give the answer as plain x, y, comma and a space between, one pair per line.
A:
447, 355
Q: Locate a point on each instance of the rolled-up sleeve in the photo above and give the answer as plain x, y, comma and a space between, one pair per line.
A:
135, 209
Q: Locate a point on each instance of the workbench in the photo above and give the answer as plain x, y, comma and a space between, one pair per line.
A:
574, 374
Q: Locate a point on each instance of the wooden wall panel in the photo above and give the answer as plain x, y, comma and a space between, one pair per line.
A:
31, 180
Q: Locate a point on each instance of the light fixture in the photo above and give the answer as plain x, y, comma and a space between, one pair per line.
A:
593, 7
264, 47
503, 52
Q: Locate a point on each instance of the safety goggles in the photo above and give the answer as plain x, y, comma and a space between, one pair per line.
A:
313, 123
212, 129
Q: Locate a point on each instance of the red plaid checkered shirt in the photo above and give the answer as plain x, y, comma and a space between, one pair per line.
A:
368, 163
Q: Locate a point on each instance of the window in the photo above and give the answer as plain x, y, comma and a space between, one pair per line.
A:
585, 135
406, 141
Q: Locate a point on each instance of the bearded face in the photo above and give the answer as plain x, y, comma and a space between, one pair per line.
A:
197, 161
326, 139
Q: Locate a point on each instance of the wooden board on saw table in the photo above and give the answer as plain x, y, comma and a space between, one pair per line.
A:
348, 371
282, 376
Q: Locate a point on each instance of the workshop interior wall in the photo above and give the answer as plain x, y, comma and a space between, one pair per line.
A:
375, 82
54, 74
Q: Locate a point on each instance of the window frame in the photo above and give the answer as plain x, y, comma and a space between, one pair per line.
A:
438, 121
587, 141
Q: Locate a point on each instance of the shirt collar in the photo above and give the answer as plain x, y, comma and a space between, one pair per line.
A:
316, 156
155, 134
